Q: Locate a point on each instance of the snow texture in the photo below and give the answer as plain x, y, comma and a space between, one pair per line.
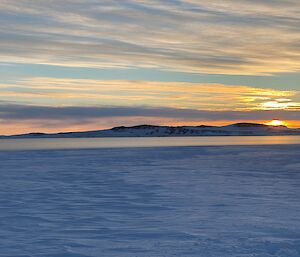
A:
232, 201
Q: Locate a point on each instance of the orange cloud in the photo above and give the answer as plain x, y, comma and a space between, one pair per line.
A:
64, 92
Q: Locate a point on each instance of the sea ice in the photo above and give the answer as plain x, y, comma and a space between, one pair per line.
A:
231, 201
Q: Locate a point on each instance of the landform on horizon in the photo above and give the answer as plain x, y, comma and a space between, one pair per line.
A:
237, 129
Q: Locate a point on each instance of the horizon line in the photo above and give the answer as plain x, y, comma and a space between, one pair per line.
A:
151, 125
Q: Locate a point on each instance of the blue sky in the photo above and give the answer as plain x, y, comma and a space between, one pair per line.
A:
206, 56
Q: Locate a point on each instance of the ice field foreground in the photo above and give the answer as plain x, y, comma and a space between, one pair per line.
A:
232, 201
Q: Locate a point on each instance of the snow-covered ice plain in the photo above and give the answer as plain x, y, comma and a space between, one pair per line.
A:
208, 201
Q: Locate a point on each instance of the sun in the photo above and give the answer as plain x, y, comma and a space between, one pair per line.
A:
276, 123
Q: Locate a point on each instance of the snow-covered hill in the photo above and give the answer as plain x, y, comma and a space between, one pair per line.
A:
238, 129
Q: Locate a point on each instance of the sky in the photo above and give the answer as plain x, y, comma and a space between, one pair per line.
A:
77, 65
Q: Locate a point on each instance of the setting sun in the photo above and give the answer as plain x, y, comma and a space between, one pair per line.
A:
276, 122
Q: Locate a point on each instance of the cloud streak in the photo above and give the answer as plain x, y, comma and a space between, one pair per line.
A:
82, 92
30, 112
223, 37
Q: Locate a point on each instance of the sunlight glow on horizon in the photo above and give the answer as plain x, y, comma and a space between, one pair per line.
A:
19, 127
276, 123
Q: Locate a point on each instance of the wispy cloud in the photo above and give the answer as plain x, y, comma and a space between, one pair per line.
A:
224, 37
83, 92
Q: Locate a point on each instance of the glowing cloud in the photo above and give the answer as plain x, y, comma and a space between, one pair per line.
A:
84, 92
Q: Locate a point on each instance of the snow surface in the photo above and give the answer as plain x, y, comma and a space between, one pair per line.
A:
237, 201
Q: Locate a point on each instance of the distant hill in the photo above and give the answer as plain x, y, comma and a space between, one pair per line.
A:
237, 129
